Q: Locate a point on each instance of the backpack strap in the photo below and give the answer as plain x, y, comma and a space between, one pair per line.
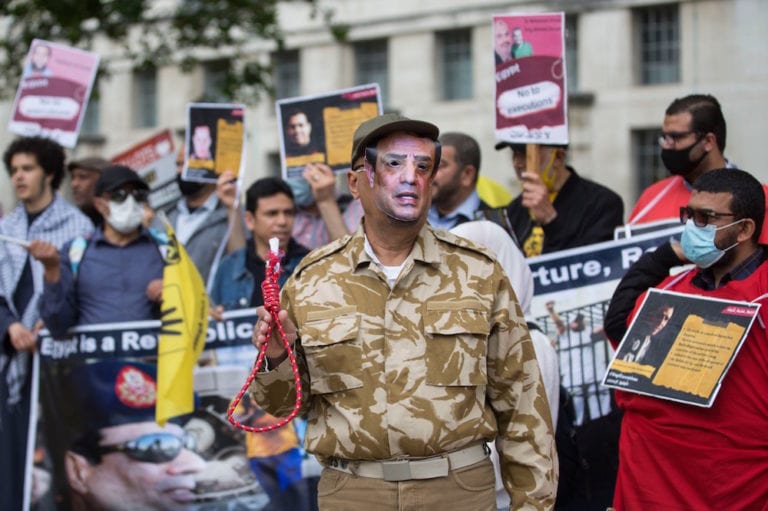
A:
158, 236
79, 244
76, 252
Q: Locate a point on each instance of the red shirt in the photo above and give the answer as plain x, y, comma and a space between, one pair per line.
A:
662, 201
682, 457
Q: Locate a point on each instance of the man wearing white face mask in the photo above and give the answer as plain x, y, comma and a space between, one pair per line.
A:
709, 455
114, 276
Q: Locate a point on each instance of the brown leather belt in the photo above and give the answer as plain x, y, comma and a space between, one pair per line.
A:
407, 469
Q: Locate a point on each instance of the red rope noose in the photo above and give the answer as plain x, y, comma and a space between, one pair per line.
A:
271, 291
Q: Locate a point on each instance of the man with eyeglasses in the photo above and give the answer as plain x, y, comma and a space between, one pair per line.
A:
676, 456
115, 276
119, 458
502, 42
692, 143
42, 217
413, 351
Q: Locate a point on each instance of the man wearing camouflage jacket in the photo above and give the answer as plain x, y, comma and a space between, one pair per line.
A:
412, 349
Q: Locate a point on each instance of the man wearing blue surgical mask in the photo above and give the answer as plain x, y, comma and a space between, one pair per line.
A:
322, 215
723, 220
114, 276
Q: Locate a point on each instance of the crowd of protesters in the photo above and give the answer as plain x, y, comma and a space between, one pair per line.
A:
412, 368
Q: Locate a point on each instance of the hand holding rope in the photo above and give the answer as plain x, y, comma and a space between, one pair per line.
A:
271, 292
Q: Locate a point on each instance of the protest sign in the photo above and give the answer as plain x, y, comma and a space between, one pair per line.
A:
679, 346
214, 141
572, 290
101, 380
531, 90
53, 93
154, 159
137, 339
629, 230
319, 129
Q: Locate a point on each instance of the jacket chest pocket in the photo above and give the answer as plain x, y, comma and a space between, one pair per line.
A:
333, 352
457, 334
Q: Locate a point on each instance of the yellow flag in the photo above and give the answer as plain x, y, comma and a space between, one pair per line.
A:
184, 313
492, 192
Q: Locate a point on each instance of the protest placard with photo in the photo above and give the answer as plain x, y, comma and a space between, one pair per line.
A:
680, 346
214, 141
53, 92
319, 128
98, 387
531, 88
154, 159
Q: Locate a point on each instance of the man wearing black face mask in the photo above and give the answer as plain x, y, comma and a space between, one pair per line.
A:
692, 142
200, 218
723, 219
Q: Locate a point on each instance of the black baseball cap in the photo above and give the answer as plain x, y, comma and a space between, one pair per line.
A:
117, 176
378, 127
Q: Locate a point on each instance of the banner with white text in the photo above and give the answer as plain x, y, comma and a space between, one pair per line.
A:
572, 291
97, 426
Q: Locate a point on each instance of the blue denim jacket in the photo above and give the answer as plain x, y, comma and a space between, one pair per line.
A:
233, 285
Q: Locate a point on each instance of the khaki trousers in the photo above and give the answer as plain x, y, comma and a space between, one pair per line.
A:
468, 488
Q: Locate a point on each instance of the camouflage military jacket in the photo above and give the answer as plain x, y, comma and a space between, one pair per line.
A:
440, 361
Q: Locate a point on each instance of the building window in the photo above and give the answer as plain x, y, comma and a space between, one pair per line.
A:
286, 74
658, 44
371, 66
648, 166
215, 82
145, 89
572, 52
455, 64
90, 125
